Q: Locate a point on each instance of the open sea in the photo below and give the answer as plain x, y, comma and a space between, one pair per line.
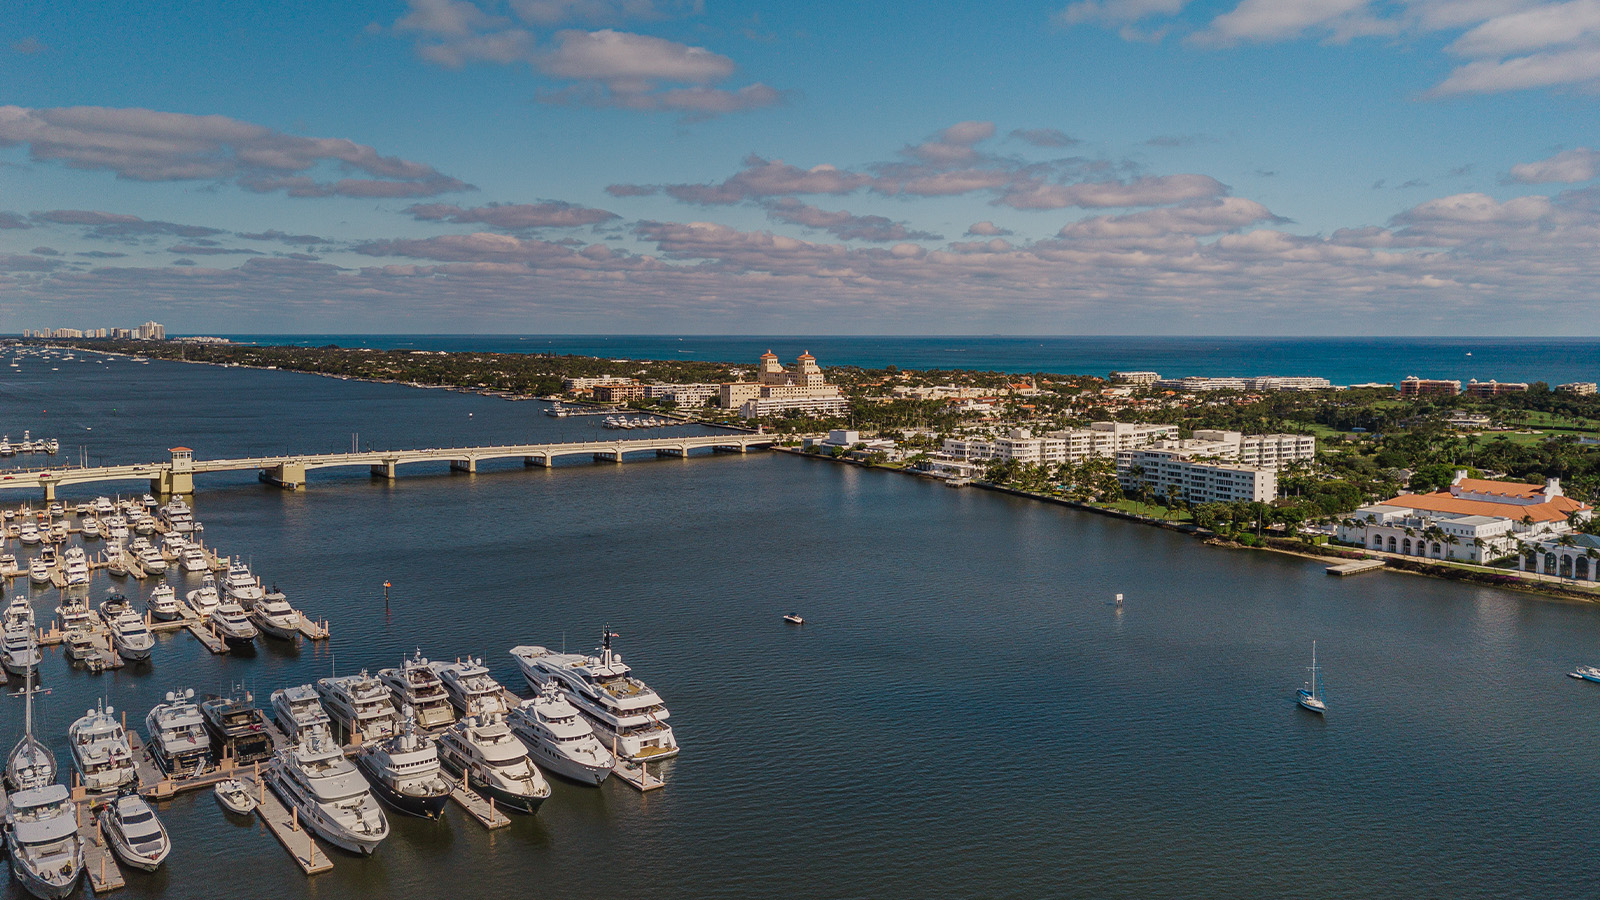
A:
964, 714
1343, 360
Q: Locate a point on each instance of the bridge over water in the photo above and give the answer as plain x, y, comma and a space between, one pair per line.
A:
177, 475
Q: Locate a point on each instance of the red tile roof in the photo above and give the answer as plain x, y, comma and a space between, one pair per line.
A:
1500, 488
1556, 510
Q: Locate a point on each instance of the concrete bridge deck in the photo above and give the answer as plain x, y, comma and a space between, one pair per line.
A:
177, 475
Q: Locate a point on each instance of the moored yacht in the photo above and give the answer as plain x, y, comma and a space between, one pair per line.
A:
232, 624
101, 751
130, 636
164, 602
116, 527
74, 614
151, 560
299, 710
194, 558
204, 599
28, 532
415, 685
89, 528
472, 690
103, 507
242, 586
134, 833
558, 739
484, 752
238, 730
177, 731
625, 713
38, 571
178, 516
360, 705
404, 771
275, 617
30, 763
327, 794
76, 567
45, 850
19, 642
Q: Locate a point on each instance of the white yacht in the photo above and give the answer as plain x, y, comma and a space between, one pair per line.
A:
130, 636
558, 739
484, 753
81, 645
415, 685
5, 442
177, 731
76, 567
173, 544
148, 502
19, 641
232, 624
103, 507
472, 690
55, 509
30, 763
116, 528
28, 532
115, 557
194, 558
134, 833
178, 516
624, 712
360, 705
101, 751
89, 529
404, 771
74, 614
8, 564
57, 532
299, 710
38, 570
275, 617
242, 586
164, 602
46, 852
327, 794
204, 599
151, 561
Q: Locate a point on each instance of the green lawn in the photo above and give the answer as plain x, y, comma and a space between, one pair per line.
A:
1149, 509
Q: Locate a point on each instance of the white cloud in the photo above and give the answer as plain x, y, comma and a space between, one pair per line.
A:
1569, 167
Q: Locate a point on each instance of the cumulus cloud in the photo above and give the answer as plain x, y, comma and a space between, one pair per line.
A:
956, 144
845, 225
758, 179
1044, 137
146, 145
273, 234
986, 229
513, 216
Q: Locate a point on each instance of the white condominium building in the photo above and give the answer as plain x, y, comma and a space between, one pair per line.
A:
686, 396
1176, 473
1101, 439
1270, 450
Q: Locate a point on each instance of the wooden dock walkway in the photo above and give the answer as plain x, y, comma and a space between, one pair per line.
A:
477, 806
316, 631
637, 775
98, 862
1356, 568
285, 826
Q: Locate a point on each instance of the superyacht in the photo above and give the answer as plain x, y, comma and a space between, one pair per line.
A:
205, 599
624, 712
558, 739
232, 624
360, 705
238, 730
164, 602
177, 732
178, 516
404, 771
275, 617
19, 643
472, 691
45, 850
298, 710
415, 685
76, 567
327, 794
151, 560
74, 614
194, 558
101, 751
485, 754
130, 636
242, 586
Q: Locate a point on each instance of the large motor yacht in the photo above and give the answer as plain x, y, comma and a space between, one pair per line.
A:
19, 642
177, 733
415, 685
238, 730
76, 567
28, 533
103, 507
360, 705
164, 602
74, 614
404, 771
232, 624
38, 571
151, 560
89, 529
178, 516
484, 753
101, 751
275, 618
625, 713
130, 636
242, 586
472, 690
205, 599
327, 794
46, 852
194, 558
558, 739
299, 710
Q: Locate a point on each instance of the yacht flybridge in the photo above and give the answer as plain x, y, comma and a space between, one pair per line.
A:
416, 685
360, 705
624, 712
473, 692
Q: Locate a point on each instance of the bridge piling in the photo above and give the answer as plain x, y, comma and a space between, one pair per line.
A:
468, 465
385, 469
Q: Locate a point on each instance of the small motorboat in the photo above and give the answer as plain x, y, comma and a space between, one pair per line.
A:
1587, 673
134, 833
235, 797
794, 619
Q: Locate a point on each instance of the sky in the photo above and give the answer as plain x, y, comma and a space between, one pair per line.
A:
1245, 167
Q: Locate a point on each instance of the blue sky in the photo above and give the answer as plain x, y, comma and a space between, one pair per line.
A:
1095, 166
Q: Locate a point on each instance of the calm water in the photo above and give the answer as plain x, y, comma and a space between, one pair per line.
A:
1340, 360
962, 716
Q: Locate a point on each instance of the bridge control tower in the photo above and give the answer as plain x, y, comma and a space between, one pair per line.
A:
180, 478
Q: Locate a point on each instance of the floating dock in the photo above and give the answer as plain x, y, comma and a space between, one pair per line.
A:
98, 862
477, 806
637, 775
1356, 568
285, 826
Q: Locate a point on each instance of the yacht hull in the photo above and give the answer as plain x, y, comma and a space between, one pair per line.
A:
566, 767
504, 799
409, 804
41, 887
338, 837
272, 630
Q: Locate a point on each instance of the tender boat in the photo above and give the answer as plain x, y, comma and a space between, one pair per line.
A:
130, 636
101, 751
484, 752
76, 567
360, 705
238, 730
1310, 696
235, 797
328, 794
242, 586
404, 771
205, 599
164, 602
558, 739
45, 850
232, 623
627, 716
177, 731
134, 833
298, 709
472, 691
275, 617
415, 685
19, 641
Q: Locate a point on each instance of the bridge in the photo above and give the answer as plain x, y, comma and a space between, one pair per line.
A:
289, 472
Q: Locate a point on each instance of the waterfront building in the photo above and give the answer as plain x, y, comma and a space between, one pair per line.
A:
1197, 383
1581, 388
1141, 378
776, 390
1100, 439
618, 393
1190, 475
684, 396
1267, 450
1476, 388
1475, 520
589, 384
1575, 556
152, 331
1412, 386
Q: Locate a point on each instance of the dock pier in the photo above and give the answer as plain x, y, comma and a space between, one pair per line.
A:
285, 826
477, 805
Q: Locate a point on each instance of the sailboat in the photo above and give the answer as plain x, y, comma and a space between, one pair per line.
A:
30, 764
1310, 696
